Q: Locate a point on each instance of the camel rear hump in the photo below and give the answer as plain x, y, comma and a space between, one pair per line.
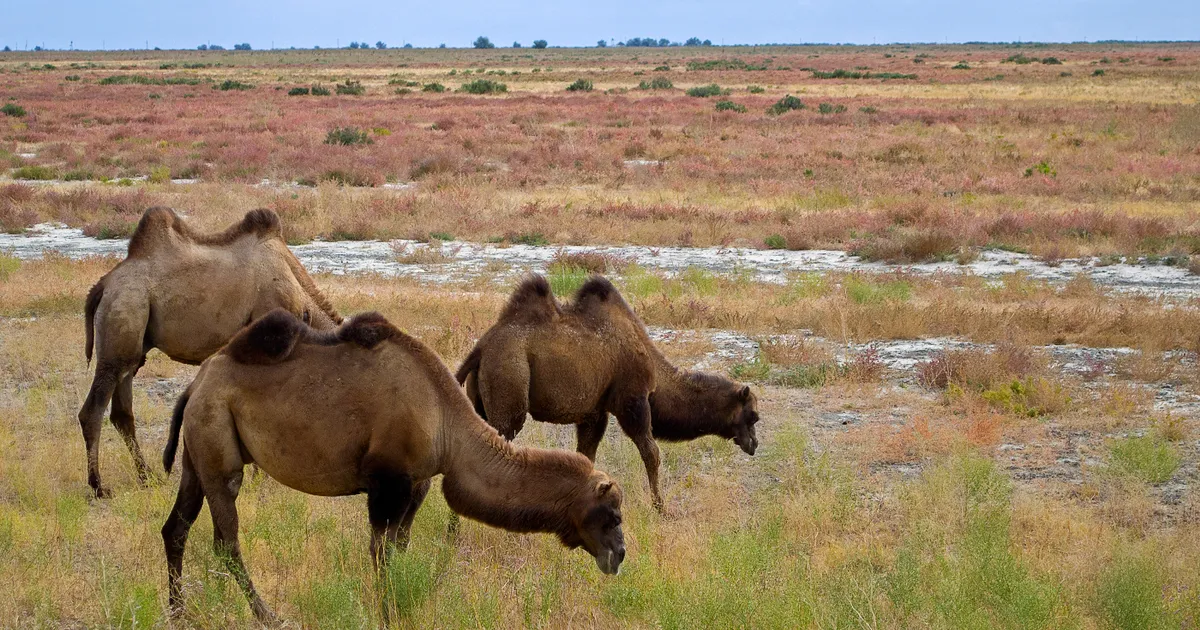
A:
273, 337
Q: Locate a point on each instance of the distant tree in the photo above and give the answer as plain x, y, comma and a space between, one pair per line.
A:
354, 45
483, 42
157, 48
707, 42
215, 47
37, 49
241, 46
380, 45
202, 47
664, 42
601, 44
441, 45
693, 41
516, 44
316, 48
408, 45
540, 43
7, 49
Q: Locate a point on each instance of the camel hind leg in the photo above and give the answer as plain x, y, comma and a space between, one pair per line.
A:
590, 432
635, 422
122, 419
175, 531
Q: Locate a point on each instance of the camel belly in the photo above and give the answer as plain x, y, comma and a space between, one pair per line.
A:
305, 459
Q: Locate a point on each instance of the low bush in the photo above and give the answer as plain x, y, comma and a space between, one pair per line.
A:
483, 86
657, 83
230, 84
580, 85
12, 109
705, 91
350, 88
1150, 458
730, 106
318, 90
35, 172
298, 91
347, 136
433, 87
828, 108
785, 104
855, 74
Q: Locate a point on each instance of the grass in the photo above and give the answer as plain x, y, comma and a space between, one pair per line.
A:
35, 172
1149, 458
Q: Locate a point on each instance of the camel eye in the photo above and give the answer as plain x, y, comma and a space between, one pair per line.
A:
306, 316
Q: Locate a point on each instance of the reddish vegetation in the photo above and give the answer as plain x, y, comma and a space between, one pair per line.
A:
955, 158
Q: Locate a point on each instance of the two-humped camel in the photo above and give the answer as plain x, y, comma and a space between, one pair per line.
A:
369, 409
575, 363
186, 294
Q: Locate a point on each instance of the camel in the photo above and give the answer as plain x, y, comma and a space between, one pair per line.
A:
576, 363
186, 294
365, 408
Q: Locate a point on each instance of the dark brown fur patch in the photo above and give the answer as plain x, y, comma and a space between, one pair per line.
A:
531, 302
270, 339
367, 330
596, 287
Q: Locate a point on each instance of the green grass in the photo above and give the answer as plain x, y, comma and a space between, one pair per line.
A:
566, 279
9, 265
1149, 458
866, 291
1129, 593
35, 172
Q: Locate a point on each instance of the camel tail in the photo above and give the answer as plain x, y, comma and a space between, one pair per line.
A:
469, 365
176, 424
89, 316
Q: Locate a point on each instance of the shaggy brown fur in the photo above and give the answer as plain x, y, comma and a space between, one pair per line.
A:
185, 294
366, 409
576, 363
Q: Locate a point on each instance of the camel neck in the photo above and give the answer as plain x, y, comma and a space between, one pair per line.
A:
517, 489
684, 407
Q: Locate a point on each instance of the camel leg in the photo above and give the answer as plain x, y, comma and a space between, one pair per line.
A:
122, 419
91, 418
389, 497
505, 393
635, 421
221, 492
418, 497
179, 523
589, 433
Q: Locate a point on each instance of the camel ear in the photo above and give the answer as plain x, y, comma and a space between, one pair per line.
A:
604, 487
745, 393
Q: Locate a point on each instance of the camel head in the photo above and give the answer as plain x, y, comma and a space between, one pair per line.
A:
595, 523
745, 416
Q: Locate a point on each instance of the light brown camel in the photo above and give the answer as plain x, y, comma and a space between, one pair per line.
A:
186, 294
576, 363
369, 409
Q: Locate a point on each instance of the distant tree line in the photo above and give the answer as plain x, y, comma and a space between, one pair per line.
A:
650, 42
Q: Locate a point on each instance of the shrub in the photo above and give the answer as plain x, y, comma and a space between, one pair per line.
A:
657, 83
318, 90
854, 74
298, 91
784, 105
402, 90
662, 68
347, 136
705, 91
71, 77
1051, 61
483, 86
159, 175
1150, 458
540, 44
230, 84
826, 108
1131, 590
580, 85
12, 109
1020, 59
722, 64
868, 110
962, 65
775, 241
1098, 73
730, 106
1042, 167
433, 87
1032, 397
35, 172
755, 89
350, 88
529, 238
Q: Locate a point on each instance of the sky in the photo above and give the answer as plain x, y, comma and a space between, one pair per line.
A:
84, 24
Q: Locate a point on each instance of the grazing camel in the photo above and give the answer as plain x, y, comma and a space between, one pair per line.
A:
365, 408
186, 294
576, 363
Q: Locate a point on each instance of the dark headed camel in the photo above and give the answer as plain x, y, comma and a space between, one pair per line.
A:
576, 363
365, 408
186, 294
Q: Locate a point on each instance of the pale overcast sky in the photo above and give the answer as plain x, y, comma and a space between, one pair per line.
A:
305, 23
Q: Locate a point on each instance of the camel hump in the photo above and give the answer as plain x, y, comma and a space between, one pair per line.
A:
270, 339
160, 225
531, 302
367, 330
596, 288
